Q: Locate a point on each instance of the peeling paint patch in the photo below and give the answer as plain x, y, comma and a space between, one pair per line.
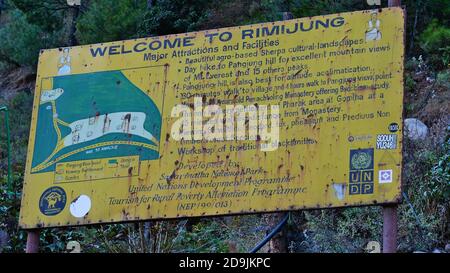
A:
339, 190
80, 206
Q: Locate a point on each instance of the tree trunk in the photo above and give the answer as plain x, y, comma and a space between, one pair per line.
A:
413, 32
70, 23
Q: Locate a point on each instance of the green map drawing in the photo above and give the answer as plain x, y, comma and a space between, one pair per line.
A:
95, 115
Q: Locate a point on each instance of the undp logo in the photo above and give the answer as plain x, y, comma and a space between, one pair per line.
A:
52, 201
361, 171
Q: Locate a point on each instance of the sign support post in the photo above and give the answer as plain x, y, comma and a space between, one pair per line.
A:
32, 241
390, 228
390, 211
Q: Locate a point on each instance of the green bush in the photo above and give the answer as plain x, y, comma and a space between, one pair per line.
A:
424, 215
19, 119
409, 83
21, 41
443, 78
206, 236
439, 178
175, 16
9, 212
343, 230
435, 41
303, 8
107, 21
46, 14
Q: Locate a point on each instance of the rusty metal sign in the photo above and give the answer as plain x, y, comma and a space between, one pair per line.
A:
297, 114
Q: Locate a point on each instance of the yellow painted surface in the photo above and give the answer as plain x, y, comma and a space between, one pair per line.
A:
102, 148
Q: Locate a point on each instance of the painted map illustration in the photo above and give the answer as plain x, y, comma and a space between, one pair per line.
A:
95, 115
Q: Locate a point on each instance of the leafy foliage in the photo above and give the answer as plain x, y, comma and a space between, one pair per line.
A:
19, 119
443, 78
23, 49
46, 14
175, 16
302, 8
343, 230
435, 41
425, 213
107, 21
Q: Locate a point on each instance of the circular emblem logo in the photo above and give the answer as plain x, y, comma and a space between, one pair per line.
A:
393, 127
52, 201
361, 160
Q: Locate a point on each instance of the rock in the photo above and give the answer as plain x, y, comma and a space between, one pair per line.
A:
437, 251
419, 252
419, 76
3, 239
415, 129
447, 248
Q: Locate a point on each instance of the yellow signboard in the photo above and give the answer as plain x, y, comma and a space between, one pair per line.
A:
296, 114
